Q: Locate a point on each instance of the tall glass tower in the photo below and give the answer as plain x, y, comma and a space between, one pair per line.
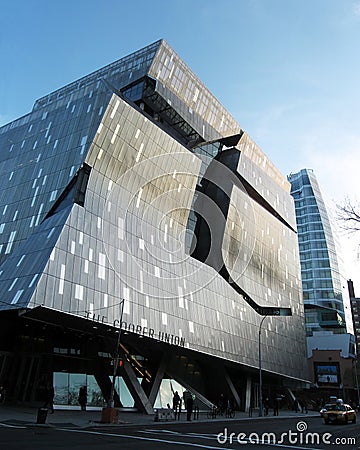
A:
327, 304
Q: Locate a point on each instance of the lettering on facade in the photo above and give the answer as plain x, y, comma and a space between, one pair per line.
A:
138, 329
150, 332
95, 317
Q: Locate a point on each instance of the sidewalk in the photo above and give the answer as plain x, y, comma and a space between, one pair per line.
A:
25, 416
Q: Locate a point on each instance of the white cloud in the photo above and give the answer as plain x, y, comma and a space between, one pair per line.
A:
350, 249
356, 8
335, 160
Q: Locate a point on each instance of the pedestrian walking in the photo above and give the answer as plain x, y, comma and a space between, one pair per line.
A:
196, 409
49, 397
305, 406
189, 403
276, 406
2, 395
177, 405
266, 406
83, 398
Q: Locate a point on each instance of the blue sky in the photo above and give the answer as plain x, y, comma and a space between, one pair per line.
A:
287, 70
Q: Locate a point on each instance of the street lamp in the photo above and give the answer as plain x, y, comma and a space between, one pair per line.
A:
267, 311
116, 359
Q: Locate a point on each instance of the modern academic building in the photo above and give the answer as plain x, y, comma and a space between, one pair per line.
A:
132, 200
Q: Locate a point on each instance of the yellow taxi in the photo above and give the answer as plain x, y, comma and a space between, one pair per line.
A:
338, 413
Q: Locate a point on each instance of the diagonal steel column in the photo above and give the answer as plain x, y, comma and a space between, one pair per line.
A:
157, 381
187, 386
248, 398
136, 389
232, 388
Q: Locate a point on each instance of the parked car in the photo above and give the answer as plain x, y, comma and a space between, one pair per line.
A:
338, 413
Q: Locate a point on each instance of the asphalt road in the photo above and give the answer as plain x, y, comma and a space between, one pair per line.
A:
267, 433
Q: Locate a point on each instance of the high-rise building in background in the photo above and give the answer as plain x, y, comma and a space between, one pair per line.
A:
329, 325
131, 199
326, 298
355, 309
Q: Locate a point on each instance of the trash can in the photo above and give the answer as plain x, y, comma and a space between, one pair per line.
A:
41, 415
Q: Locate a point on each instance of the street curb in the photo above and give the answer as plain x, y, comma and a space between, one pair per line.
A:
183, 422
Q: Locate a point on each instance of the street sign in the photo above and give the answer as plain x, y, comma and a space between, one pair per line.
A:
274, 311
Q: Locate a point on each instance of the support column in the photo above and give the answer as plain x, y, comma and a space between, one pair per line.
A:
157, 381
104, 384
18, 393
232, 389
199, 396
248, 393
28, 382
136, 389
3, 361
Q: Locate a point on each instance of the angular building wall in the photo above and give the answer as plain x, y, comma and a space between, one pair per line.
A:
104, 191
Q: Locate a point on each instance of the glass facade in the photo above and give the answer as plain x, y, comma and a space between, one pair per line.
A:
69, 384
322, 281
105, 186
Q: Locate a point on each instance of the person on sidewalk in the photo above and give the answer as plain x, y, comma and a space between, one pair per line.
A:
276, 406
177, 405
189, 403
266, 406
296, 405
49, 397
251, 406
2, 395
196, 409
83, 397
301, 405
305, 408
